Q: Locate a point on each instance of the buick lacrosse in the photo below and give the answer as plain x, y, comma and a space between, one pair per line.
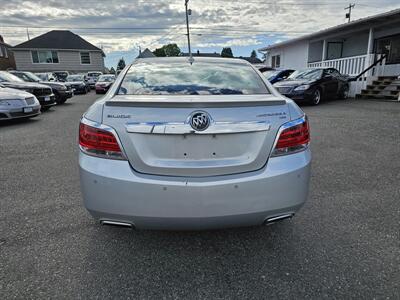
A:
187, 146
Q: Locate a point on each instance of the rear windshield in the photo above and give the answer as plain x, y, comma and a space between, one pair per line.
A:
200, 78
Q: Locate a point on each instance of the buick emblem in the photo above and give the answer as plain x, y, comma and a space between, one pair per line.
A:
200, 121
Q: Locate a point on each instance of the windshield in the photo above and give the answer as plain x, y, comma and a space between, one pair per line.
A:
75, 78
106, 78
42, 76
271, 74
93, 74
306, 74
7, 77
28, 76
200, 78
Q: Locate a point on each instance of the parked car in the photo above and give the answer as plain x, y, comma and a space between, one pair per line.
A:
16, 104
314, 85
275, 76
78, 83
61, 75
46, 76
61, 91
42, 92
92, 78
175, 145
104, 83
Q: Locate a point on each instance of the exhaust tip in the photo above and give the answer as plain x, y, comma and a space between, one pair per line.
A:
278, 218
116, 224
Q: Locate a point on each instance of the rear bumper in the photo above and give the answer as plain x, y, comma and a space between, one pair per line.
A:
113, 191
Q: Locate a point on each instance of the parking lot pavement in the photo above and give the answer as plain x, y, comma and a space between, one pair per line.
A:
344, 243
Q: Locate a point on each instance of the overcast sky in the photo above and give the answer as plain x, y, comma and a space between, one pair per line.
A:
120, 27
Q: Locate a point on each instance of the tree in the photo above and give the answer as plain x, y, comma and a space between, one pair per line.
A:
253, 54
226, 52
121, 64
112, 70
167, 50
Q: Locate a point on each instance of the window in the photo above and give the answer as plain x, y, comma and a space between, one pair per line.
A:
200, 78
44, 57
85, 58
391, 47
276, 61
1, 51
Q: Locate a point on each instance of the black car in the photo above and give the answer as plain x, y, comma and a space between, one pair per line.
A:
275, 76
78, 83
61, 91
42, 92
314, 85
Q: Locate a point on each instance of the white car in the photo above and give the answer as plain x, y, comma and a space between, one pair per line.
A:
17, 104
178, 144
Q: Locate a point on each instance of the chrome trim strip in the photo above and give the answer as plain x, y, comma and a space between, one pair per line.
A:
193, 104
185, 128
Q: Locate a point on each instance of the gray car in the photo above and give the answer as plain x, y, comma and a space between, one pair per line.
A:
16, 104
188, 146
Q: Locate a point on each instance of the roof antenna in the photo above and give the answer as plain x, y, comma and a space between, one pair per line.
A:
188, 13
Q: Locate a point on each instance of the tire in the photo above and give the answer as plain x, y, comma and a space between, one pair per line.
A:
345, 93
316, 97
44, 108
61, 101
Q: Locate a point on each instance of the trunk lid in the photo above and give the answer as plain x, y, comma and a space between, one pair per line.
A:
157, 136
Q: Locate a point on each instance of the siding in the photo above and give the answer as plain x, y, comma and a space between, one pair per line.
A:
293, 56
68, 61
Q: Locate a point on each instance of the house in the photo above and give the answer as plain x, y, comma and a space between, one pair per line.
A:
145, 54
351, 48
58, 50
6, 56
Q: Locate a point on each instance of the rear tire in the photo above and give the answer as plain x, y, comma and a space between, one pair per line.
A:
61, 101
316, 97
344, 94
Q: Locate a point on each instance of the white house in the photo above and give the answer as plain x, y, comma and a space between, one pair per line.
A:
351, 48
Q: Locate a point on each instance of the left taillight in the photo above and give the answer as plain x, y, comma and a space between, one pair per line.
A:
293, 137
99, 142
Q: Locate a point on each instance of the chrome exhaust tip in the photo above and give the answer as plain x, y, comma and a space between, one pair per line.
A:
277, 218
117, 224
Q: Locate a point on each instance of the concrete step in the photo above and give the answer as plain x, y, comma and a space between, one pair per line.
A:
386, 78
383, 97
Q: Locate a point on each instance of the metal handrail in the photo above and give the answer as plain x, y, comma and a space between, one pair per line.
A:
369, 68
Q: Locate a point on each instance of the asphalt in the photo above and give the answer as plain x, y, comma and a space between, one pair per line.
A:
344, 243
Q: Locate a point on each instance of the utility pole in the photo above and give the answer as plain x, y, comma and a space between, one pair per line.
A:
27, 33
188, 12
350, 7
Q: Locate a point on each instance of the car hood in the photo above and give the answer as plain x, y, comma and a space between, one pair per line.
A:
12, 94
103, 82
74, 82
55, 85
293, 83
24, 85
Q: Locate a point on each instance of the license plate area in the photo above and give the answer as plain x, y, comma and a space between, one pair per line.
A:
28, 110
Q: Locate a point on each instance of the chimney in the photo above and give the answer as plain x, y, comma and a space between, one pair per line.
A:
198, 52
1, 39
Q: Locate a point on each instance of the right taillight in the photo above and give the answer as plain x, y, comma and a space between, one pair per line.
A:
293, 137
99, 142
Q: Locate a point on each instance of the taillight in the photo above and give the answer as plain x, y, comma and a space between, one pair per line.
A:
294, 137
99, 142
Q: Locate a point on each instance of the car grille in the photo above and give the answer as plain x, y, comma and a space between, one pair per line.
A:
76, 86
42, 92
284, 90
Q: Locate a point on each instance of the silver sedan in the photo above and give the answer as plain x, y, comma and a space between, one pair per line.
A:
17, 104
182, 145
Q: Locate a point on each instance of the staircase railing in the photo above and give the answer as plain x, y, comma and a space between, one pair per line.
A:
369, 68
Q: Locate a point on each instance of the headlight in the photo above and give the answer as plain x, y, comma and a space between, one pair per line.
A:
63, 88
82, 84
302, 87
